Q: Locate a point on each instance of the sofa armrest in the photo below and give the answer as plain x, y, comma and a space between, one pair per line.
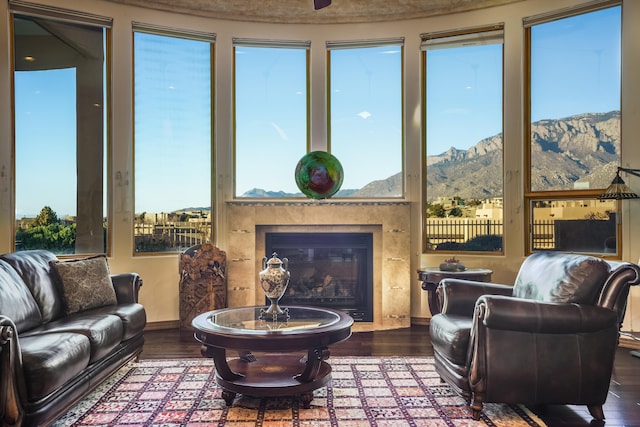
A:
458, 296
127, 286
522, 315
12, 387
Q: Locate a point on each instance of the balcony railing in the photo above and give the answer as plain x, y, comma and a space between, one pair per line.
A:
584, 235
460, 230
171, 236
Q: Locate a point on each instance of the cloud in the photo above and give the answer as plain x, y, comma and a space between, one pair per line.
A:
281, 132
364, 114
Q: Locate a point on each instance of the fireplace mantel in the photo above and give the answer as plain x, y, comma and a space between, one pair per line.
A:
248, 221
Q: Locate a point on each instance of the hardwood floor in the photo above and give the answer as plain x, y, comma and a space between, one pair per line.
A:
621, 409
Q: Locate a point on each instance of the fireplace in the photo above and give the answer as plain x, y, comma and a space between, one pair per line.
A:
332, 270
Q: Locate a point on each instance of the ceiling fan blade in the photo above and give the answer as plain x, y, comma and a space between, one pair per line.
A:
319, 4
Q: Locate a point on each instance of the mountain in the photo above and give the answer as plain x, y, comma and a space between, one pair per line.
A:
580, 151
578, 146
259, 192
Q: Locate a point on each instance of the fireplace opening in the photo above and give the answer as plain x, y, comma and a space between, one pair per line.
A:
332, 270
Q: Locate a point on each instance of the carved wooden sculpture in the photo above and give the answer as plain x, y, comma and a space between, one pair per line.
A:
203, 282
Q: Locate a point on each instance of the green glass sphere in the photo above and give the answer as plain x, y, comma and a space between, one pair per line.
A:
319, 175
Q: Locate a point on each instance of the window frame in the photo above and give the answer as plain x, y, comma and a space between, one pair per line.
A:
441, 39
74, 17
530, 197
370, 43
271, 44
192, 35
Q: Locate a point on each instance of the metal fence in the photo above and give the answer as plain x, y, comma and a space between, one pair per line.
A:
172, 236
461, 230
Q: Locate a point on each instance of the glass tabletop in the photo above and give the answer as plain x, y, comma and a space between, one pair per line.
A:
252, 320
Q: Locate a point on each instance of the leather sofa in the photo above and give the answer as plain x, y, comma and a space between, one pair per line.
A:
551, 338
51, 356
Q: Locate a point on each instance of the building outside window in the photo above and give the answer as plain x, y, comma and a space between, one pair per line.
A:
463, 160
172, 139
271, 129
366, 116
60, 98
574, 129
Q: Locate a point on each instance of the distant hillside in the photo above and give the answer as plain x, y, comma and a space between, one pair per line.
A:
580, 150
259, 192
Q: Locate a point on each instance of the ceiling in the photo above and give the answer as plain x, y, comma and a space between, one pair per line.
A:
302, 11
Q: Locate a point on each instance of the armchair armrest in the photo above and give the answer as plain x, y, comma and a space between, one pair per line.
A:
522, 315
127, 287
458, 296
12, 387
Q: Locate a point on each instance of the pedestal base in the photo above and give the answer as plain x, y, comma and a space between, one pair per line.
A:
272, 375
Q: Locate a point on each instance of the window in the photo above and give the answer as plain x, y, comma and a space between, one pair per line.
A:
365, 87
60, 78
172, 139
271, 112
463, 189
574, 135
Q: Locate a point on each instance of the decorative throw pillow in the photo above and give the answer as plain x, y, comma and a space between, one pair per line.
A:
85, 283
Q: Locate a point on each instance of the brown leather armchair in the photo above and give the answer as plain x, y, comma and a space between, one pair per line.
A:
550, 338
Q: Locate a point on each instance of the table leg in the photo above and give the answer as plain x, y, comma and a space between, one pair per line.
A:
306, 399
315, 356
219, 356
228, 397
432, 297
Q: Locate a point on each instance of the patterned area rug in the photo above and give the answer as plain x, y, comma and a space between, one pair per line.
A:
364, 391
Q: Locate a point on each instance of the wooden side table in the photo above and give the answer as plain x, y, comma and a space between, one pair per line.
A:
431, 277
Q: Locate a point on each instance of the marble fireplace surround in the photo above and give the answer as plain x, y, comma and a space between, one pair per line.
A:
247, 223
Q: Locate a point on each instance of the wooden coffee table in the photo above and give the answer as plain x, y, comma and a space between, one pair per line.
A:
274, 370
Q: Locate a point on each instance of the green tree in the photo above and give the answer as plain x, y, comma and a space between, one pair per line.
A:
435, 210
47, 232
46, 217
457, 212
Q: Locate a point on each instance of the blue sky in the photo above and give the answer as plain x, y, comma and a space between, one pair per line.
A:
575, 70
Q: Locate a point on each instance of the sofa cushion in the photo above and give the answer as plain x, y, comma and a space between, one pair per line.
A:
33, 266
16, 301
104, 331
85, 283
561, 277
133, 317
51, 360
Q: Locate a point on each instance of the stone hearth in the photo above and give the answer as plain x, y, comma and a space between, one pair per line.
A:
247, 223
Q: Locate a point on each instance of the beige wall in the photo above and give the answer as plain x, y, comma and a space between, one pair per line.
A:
159, 272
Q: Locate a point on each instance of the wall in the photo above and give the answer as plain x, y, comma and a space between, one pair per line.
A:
160, 272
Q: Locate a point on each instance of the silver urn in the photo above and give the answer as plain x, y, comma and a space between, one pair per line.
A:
274, 279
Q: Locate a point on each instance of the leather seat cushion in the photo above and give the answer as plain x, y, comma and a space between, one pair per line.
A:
104, 331
50, 360
33, 267
16, 301
450, 336
133, 317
